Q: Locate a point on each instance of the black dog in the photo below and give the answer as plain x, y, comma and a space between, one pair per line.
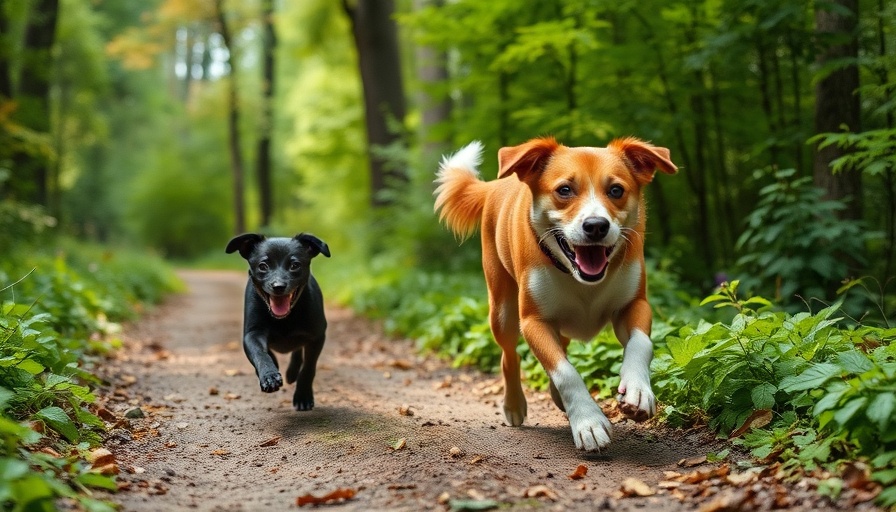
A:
284, 310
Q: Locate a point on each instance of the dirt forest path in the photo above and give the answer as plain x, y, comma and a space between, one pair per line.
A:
211, 440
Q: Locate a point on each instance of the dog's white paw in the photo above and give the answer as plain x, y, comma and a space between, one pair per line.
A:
591, 430
636, 398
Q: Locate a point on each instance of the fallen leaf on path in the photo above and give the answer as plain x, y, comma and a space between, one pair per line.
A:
213, 390
271, 442
232, 396
53, 453
100, 457
540, 491
401, 364
399, 445
405, 410
336, 496
701, 476
221, 452
106, 414
477, 459
668, 484
446, 383
579, 473
758, 419
633, 487
693, 461
744, 478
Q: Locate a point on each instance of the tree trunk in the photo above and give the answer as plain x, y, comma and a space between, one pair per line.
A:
265, 129
432, 71
5, 58
233, 125
33, 93
837, 101
376, 41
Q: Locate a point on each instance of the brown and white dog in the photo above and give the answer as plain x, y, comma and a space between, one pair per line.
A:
563, 254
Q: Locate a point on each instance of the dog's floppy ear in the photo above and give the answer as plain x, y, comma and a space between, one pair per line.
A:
315, 245
244, 243
644, 158
527, 158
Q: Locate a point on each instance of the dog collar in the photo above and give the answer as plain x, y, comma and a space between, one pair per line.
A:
547, 252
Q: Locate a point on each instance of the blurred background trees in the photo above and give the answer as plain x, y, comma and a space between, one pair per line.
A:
175, 123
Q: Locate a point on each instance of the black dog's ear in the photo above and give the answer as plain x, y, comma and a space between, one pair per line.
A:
244, 243
315, 245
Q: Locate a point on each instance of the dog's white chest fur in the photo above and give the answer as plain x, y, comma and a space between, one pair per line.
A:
579, 310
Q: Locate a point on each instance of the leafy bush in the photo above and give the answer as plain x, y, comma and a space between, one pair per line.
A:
59, 311
795, 244
799, 388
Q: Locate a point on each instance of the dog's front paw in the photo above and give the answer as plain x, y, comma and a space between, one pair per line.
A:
271, 382
636, 398
303, 400
591, 430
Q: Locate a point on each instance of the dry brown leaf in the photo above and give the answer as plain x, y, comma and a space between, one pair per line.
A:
232, 396
336, 496
579, 473
100, 457
106, 414
477, 459
213, 391
51, 452
405, 410
540, 491
400, 444
633, 487
107, 470
401, 364
741, 479
758, 419
271, 442
693, 461
221, 451
701, 476
668, 484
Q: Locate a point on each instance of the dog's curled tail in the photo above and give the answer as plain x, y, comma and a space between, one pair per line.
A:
460, 194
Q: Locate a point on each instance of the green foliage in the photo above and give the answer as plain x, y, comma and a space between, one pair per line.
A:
830, 390
794, 244
53, 319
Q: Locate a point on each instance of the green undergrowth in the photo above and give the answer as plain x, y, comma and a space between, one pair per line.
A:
60, 310
809, 390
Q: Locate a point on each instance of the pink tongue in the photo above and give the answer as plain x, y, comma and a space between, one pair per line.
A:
280, 305
591, 259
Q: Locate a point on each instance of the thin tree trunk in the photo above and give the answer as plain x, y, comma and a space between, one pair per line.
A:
266, 128
797, 93
5, 57
889, 178
33, 93
765, 95
233, 125
376, 41
837, 102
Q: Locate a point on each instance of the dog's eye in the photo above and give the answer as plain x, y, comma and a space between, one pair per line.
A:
564, 191
293, 266
263, 267
616, 191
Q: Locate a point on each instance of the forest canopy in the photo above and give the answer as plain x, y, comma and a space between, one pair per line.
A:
175, 123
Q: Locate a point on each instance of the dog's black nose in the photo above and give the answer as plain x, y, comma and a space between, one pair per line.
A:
596, 227
278, 288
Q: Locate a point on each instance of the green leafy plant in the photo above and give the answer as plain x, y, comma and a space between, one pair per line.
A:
794, 243
53, 321
805, 389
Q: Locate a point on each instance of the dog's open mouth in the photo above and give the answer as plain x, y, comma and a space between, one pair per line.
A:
280, 304
590, 261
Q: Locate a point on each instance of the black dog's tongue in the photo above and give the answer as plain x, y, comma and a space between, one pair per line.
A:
280, 305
